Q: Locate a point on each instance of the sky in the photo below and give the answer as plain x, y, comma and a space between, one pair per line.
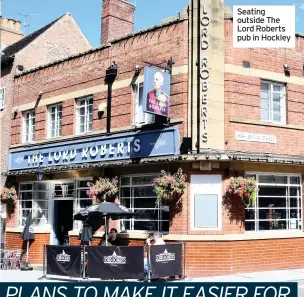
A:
36, 13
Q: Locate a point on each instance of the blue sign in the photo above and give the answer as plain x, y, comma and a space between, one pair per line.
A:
114, 147
156, 93
155, 289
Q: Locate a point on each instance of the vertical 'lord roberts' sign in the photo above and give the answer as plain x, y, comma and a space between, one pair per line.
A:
211, 74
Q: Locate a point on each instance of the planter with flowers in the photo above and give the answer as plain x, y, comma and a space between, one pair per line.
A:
170, 188
104, 189
9, 198
244, 188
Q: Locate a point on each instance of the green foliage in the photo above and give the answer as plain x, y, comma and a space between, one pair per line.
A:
104, 189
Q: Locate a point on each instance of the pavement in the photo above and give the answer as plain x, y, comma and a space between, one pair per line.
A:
294, 275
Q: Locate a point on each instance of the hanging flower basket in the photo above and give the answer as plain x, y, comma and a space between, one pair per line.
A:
104, 189
9, 197
170, 188
244, 188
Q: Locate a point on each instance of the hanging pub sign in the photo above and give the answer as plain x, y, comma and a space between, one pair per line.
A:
156, 93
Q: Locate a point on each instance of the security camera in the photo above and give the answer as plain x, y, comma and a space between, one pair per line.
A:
137, 69
40, 93
285, 66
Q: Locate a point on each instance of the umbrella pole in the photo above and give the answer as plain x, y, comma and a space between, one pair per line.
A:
27, 251
106, 227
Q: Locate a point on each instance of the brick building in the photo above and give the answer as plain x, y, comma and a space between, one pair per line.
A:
233, 112
56, 40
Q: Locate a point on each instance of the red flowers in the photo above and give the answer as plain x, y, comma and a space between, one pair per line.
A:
103, 189
245, 188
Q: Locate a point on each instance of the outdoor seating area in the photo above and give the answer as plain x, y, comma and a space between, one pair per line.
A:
100, 263
10, 259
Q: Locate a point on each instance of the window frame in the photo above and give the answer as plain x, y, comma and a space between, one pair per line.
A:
148, 118
87, 113
288, 208
2, 102
32, 124
283, 110
58, 127
132, 220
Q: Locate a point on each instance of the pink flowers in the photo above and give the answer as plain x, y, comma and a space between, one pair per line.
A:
9, 197
103, 189
169, 186
245, 188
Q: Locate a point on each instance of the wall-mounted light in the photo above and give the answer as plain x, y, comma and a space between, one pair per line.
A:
39, 174
101, 109
286, 70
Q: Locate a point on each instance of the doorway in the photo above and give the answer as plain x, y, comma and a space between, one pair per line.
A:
63, 220
62, 211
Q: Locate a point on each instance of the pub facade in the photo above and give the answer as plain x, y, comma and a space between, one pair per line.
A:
231, 113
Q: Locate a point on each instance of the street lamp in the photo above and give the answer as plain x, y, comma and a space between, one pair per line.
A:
111, 74
39, 174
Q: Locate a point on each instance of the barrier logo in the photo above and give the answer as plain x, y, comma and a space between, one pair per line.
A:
63, 258
165, 257
114, 259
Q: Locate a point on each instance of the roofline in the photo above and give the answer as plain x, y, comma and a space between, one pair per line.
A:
103, 46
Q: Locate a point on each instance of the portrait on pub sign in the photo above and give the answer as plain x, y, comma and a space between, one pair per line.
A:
156, 91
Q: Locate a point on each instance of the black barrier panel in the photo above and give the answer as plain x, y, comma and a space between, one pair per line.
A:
115, 262
166, 260
63, 260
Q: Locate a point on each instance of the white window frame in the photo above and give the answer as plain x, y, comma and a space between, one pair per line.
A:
256, 208
2, 97
201, 189
282, 102
132, 201
30, 137
140, 117
58, 120
34, 202
76, 206
87, 122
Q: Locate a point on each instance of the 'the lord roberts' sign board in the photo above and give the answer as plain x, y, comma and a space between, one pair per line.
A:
115, 147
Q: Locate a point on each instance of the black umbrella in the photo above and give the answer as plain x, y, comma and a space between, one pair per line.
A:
28, 233
105, 209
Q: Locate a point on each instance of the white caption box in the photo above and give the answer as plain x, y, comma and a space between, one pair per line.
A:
264, 26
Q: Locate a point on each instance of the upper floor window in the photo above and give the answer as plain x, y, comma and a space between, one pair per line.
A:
2, 97
28, 126
84, 115
140, 117
54, 120
273, 107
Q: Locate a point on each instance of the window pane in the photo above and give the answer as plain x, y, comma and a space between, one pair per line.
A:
295, 180
125, 181
144, 192
24, 187
125, 192
126, 202
273, 225
273, 179
264, 86
140, 180
145, 203
26, 195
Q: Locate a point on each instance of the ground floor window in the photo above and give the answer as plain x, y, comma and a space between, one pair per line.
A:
278, 205
40, 197
137, 194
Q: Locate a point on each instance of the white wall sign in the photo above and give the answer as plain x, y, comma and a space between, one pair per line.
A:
244, 136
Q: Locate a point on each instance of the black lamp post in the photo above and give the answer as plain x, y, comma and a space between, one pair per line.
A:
111, 74
39, 174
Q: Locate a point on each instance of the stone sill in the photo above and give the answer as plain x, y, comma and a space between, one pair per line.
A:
260, 123
224, 237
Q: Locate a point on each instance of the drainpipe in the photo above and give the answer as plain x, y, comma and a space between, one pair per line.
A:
111, 74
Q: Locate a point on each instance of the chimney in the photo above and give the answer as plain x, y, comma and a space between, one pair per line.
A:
117, 19
10, 32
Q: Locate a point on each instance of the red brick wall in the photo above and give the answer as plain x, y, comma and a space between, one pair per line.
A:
230, 257
242, 97
89, 71
13, 241
117, 19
